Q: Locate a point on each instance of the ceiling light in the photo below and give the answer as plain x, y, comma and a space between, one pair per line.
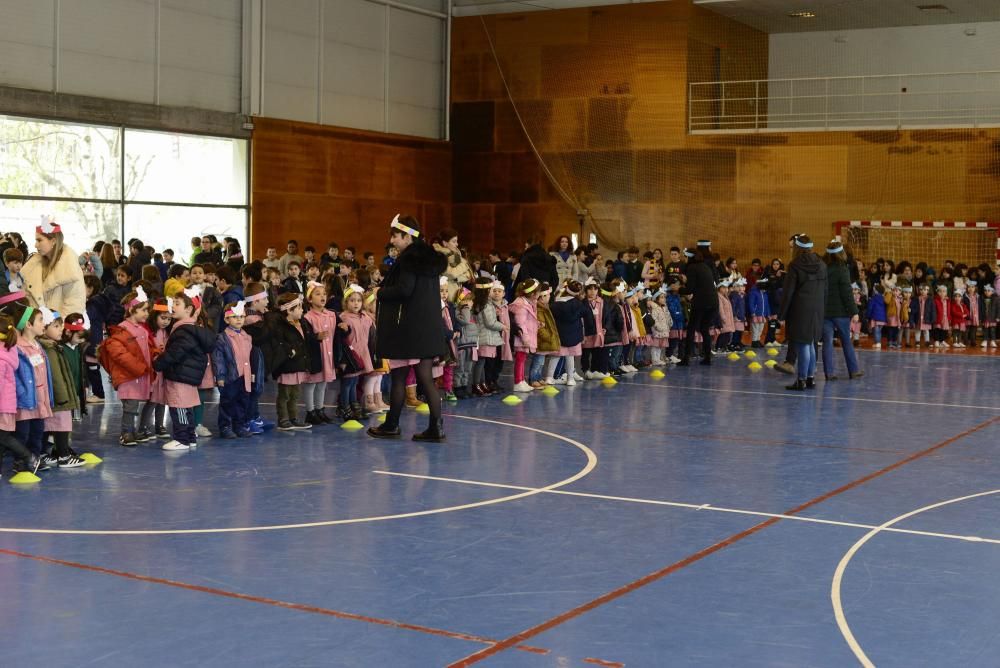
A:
802, 15
937, 9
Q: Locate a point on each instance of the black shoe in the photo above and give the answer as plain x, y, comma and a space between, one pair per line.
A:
310, 418
143, 436
756, 344
326, 419
683, 362
433, 433
382, 431
810, 383
359, 412
829, 378
857, 374
127, 439
285, 425
799, 385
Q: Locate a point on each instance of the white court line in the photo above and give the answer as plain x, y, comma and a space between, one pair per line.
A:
588, 467
702, 506
838, 575
803, 395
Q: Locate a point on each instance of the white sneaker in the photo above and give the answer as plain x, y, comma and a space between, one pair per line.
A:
945, 344
674, 359
982, 345
589, 375
523, 387
561, 380
630, 369
577, 377
571, 383
877, 346
201, 431
993, 344
94, 400
174, 445
599, 376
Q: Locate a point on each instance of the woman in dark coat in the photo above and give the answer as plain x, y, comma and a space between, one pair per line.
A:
537, 263
840, 312
700, 284
409, 329
803, 306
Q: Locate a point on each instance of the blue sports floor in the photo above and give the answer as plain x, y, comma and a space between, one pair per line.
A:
707, 519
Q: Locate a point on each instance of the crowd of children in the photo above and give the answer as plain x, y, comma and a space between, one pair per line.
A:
168, 336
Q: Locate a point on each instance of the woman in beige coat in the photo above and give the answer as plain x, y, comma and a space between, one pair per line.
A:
52, 276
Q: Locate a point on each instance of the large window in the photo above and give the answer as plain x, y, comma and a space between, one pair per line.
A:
104, 183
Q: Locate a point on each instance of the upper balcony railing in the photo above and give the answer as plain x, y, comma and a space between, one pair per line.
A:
877, 102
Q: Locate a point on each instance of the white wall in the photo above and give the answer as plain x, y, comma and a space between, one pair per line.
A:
352, 63
173, 52
938, 49
917, 49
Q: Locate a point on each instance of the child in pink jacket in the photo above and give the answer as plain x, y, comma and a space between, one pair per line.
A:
525, 327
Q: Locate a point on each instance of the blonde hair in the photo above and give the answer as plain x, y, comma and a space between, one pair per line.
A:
48, 263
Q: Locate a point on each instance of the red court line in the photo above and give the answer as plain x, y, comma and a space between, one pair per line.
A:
606, 664
701, 554
269, 601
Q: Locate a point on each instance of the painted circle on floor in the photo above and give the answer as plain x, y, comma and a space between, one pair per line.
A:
591, 463
838, 575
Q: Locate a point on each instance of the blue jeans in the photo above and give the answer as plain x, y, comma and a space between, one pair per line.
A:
843, 327
537, 368
806, 362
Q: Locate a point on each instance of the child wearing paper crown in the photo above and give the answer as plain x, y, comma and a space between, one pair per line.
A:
183, 363
295, 355
467, 343
233, 373
594, 361
256, 325
974, 303
525, 330
154, 412
356, 360
324, 323
574, 321
922, 314
127, 356
65, 397
958, 314
492, 333
23, 458
738, 299
33, 382
76, 332
942, 320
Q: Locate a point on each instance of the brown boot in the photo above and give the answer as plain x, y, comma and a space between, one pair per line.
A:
368, 402
411, 396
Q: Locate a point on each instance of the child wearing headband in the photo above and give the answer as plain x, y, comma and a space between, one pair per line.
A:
524, 313
614, 323
958, 314
991, 314
467, 344
259, 330
295, 356
372, 389
594, 360
738, 299
942, 321
491, 333
504, 353
548, 341
98, 307
921, 313
127, 356
233, 373
573, 320
154, 412
876, 314
23, 458
34, 384
324, 323
678, 321
444, 367
76, 332
659, 333
184, 365
355, 360
65, 393
974, 303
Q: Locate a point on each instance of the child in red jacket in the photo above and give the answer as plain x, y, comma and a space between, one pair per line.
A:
958, 314
127, 355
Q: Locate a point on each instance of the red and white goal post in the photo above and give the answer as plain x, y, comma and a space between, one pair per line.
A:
931, 241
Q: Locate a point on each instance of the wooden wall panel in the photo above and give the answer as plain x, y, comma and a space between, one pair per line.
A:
319, 184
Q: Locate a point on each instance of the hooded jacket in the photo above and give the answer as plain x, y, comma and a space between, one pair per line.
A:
185, 357
408, 316
803, 304
574, 320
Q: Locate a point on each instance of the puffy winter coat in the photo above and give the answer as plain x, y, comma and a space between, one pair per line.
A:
62, 290
64, 394
294, 351
676, 310
548, 334
408, 320
524, 314
468, 327
613, 322
185, 357
958, 313
121, 356
490, 327
876, 308
574, 320
661, 321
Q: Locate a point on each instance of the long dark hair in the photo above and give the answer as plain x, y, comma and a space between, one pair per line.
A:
481, 295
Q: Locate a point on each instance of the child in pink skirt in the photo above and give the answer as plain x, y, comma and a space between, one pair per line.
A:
324, 323
154, 412
23, 459
65, 398
372, 388
495, 356
525, 315
34, 404
356, 326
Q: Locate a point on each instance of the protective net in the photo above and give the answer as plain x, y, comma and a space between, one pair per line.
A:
668, 122
929, 241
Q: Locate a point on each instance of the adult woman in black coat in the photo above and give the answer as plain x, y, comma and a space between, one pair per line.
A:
537, 263
409, 329
700, 284
803, 305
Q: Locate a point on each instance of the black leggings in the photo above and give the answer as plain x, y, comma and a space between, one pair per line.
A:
397, 393
8, 443
594, 359
701, 321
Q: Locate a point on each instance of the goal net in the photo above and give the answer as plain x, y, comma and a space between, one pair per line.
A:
972, 243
